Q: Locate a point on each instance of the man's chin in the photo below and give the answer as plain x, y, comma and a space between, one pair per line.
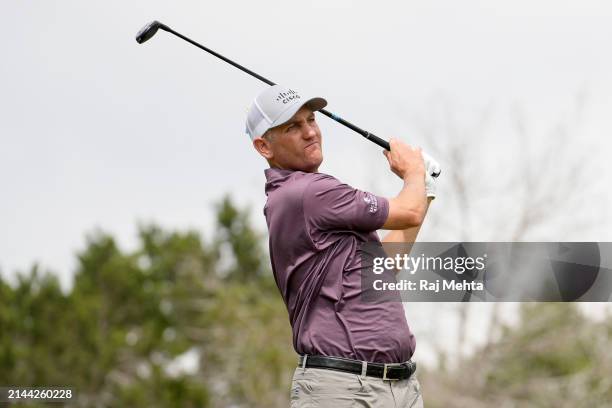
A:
312, 166
316, 161
309, 164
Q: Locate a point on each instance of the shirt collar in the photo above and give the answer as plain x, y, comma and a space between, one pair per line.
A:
275, 178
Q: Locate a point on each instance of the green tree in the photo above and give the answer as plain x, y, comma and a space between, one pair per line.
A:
129, 315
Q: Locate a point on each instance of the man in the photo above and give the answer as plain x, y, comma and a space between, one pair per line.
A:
352, 353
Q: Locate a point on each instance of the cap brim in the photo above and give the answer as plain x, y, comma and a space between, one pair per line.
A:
314, 104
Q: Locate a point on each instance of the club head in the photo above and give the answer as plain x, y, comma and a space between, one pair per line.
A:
148, 31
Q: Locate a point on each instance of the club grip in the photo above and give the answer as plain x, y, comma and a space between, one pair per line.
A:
381, 142
384, 144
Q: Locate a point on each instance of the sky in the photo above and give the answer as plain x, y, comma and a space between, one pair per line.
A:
98, 132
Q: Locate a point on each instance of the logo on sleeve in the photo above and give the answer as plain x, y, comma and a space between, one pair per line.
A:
372, 202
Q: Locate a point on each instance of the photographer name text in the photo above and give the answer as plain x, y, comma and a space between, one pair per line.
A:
429, 286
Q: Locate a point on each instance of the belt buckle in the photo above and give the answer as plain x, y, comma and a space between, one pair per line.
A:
385, 371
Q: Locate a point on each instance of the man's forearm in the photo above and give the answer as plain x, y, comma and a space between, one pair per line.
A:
407, 235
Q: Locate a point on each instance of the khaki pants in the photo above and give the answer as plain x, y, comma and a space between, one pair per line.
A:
316, 387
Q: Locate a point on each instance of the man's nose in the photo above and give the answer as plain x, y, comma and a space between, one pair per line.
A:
309, 131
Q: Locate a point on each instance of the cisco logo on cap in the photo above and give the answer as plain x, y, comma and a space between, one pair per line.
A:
286, 97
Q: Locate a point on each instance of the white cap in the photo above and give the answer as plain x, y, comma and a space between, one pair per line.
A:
275, 106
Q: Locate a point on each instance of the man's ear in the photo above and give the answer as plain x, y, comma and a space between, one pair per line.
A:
263, 147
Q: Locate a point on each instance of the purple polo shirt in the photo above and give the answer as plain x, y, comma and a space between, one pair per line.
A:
316, 224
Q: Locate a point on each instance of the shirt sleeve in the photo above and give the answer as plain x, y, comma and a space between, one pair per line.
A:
332, 205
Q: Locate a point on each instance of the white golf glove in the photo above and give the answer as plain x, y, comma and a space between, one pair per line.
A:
431, 166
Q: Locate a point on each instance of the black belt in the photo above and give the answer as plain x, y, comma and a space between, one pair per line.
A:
393, 371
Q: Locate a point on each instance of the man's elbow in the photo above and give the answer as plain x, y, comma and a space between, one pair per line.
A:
413, 218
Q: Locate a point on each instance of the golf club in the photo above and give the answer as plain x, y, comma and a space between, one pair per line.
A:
150, 29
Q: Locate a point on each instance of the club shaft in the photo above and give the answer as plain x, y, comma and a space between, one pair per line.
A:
370, 136
216, 54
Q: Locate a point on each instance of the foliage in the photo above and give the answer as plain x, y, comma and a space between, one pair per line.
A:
115, 337
554, 358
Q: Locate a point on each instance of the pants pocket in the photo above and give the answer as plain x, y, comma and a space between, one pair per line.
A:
415, 393
300, 395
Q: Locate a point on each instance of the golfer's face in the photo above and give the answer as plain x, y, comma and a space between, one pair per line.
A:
296, 145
